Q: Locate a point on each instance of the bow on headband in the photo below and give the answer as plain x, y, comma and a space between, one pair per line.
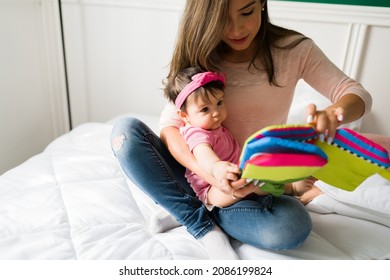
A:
198, 80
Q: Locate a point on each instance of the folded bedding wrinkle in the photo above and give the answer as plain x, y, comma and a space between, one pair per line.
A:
162, 221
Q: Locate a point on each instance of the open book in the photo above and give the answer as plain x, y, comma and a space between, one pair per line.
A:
287, 153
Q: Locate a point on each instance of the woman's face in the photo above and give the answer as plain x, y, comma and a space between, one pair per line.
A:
243, 24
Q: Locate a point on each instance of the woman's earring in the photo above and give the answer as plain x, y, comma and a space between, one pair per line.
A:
262, 9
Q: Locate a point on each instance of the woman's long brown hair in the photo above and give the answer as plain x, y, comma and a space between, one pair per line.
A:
199, 42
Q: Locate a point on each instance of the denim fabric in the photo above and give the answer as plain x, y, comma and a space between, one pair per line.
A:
263, 221
267, 222
148, 163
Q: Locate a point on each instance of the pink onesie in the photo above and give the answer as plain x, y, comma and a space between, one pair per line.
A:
223, 144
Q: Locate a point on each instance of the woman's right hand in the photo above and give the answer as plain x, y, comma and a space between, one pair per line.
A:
241, 189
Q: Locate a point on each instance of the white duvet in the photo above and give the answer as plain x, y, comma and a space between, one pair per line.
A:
73, 202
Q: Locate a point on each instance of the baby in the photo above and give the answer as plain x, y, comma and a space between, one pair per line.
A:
199, 100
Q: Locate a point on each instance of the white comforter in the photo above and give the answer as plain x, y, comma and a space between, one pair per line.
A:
73, 202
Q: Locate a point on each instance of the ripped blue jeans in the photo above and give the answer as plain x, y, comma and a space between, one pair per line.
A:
262, 221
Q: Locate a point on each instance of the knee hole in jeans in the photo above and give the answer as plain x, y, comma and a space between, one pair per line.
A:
117, 142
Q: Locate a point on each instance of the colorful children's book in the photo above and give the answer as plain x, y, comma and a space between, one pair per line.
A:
286, 153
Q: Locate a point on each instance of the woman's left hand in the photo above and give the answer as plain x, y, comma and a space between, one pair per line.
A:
325, 121
348, 108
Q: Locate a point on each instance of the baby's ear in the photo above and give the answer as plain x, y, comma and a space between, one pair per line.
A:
182, 115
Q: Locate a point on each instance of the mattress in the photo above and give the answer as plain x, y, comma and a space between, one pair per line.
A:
73, 202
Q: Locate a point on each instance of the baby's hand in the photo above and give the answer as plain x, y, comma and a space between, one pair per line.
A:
225, 171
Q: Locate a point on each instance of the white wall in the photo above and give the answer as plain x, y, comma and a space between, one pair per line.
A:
118, 54
32, 89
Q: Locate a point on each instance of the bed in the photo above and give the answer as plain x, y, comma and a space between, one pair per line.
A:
72, 201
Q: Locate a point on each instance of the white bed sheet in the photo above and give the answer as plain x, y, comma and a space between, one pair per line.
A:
73, 202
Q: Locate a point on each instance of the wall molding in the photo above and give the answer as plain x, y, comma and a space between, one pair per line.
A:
354, 52
170, 5
349, 14
358, 19
55, 67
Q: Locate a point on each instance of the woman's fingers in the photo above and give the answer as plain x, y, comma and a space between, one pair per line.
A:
325, 122
311, 111
242, 189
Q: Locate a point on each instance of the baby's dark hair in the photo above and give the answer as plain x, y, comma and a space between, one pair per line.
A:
183, 78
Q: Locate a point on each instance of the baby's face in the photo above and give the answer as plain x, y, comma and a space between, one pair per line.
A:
206, 114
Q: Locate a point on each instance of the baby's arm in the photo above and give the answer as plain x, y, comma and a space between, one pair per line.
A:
209, 161
225, 172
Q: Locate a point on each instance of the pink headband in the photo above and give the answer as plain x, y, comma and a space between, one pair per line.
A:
198, 80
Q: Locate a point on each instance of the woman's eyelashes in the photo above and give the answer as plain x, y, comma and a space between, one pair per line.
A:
248, 13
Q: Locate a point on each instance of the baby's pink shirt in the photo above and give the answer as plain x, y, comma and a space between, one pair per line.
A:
223, 144
252, 103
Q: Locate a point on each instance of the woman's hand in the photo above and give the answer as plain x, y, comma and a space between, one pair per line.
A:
348, 108
325, 121
241, 188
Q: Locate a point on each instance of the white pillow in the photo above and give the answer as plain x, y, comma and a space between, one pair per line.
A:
370, 200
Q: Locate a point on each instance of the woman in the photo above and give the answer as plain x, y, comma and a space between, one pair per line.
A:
263, 64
